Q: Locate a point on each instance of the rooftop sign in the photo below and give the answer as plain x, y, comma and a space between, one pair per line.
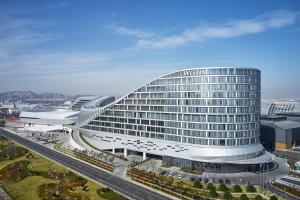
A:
195, 72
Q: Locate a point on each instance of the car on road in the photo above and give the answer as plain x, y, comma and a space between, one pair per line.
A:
227, 181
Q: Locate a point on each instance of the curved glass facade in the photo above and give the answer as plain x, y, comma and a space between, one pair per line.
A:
203, 106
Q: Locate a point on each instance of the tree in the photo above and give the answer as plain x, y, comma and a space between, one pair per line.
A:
250, 188
258, 197
237, 188
291, 163
2, 123
210, 186
223, 187
227, 195
180, 184
197, 184
244, 197
273, 197
213, 193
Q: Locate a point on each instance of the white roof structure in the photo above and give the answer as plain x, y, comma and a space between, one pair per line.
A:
91, 107
281, 107
80, 101
49, 116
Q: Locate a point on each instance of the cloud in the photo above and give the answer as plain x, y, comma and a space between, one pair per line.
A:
21, 34
58, 4
21, 56
233, 28
130, 31
75, 73
50, 64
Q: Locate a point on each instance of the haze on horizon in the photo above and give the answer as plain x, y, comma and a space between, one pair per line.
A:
113, 47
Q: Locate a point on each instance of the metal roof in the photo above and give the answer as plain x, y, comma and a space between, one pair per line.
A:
288, 124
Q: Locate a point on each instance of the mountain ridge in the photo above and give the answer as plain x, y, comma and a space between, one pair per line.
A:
18, 95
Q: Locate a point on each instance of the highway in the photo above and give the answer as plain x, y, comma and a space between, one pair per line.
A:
127, 188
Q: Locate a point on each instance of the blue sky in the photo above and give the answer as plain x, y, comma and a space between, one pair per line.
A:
112, 47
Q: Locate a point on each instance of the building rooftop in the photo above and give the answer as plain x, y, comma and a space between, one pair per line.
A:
273, 117
288, 124
48, 113
290, 114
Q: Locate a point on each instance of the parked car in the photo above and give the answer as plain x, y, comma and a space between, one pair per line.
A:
227, 182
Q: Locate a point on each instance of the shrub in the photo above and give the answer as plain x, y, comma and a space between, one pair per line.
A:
244, 197
197, 184
258, 197
213, 193
162, 172
223, 187
273, 197
237, 188
109, 194
210, 186
227, 195
250, 188
291, 163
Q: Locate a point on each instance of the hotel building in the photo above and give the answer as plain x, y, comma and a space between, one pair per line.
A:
201, 117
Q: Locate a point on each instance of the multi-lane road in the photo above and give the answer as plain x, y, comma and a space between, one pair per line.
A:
127, 188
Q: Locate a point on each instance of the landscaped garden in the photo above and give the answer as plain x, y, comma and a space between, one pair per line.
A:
291, 190
109, 194
102, 160
195, 189
25, 175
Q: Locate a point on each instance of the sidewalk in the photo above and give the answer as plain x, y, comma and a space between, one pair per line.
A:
4, 195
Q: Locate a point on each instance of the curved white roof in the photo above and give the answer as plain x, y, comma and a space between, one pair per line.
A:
49, 116
246, 154
92, 107
48, 113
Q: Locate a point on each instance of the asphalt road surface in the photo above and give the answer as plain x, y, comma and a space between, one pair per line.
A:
127, 188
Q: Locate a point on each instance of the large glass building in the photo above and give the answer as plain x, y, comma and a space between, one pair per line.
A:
189, 117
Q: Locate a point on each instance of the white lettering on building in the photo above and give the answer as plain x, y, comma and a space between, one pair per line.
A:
196, 72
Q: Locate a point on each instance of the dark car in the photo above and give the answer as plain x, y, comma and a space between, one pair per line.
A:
192, 178
227, 182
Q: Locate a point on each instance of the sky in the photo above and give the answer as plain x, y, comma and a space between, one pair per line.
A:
110, 47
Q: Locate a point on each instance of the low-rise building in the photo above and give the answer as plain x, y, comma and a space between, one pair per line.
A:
280, 131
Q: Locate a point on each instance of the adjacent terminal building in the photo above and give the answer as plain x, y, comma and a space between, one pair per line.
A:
201, 117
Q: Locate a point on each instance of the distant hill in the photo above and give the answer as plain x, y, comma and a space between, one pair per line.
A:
14, 96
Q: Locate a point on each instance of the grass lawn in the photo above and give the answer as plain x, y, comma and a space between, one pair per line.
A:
27, 188
7, 162
40, 163
40, 172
